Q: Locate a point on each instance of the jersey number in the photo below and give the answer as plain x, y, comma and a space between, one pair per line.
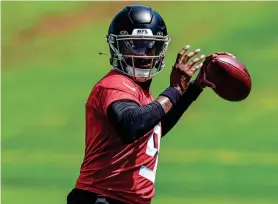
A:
152, 150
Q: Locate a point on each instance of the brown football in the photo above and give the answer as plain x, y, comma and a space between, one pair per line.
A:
231, 77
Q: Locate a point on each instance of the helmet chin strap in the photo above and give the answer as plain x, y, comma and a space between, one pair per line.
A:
141, 75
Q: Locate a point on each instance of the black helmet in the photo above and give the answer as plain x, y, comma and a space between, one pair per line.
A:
138, 41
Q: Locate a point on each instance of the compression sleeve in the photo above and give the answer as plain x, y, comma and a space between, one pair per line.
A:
173, 116
131, 120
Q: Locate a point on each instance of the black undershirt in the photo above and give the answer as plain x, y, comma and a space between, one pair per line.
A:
131, 120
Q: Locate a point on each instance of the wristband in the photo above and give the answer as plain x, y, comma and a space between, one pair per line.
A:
173, 95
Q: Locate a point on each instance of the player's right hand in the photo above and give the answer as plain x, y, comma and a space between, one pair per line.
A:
184, 68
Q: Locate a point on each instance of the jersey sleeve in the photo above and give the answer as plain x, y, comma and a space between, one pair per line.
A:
114, 88
109, 96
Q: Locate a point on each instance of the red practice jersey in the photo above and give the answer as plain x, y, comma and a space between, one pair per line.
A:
125, 172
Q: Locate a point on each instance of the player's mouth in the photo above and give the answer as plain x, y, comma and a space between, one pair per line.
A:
143, 64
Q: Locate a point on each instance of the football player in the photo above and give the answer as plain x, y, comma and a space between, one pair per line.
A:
124, 123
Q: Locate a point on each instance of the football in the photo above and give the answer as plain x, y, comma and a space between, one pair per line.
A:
231, 77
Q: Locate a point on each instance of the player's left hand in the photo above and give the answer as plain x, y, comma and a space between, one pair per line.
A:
223, 53
201, 79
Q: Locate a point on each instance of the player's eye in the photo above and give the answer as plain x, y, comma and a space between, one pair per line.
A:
141, 47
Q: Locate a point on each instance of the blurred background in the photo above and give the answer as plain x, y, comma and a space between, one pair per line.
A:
219, 153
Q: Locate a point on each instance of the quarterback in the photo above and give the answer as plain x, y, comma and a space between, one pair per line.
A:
124, 122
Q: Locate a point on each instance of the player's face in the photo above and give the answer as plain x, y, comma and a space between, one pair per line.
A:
141, 48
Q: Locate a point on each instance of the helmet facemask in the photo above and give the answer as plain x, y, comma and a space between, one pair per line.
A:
138, 56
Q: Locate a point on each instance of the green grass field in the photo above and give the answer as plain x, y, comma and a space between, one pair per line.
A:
219, 153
